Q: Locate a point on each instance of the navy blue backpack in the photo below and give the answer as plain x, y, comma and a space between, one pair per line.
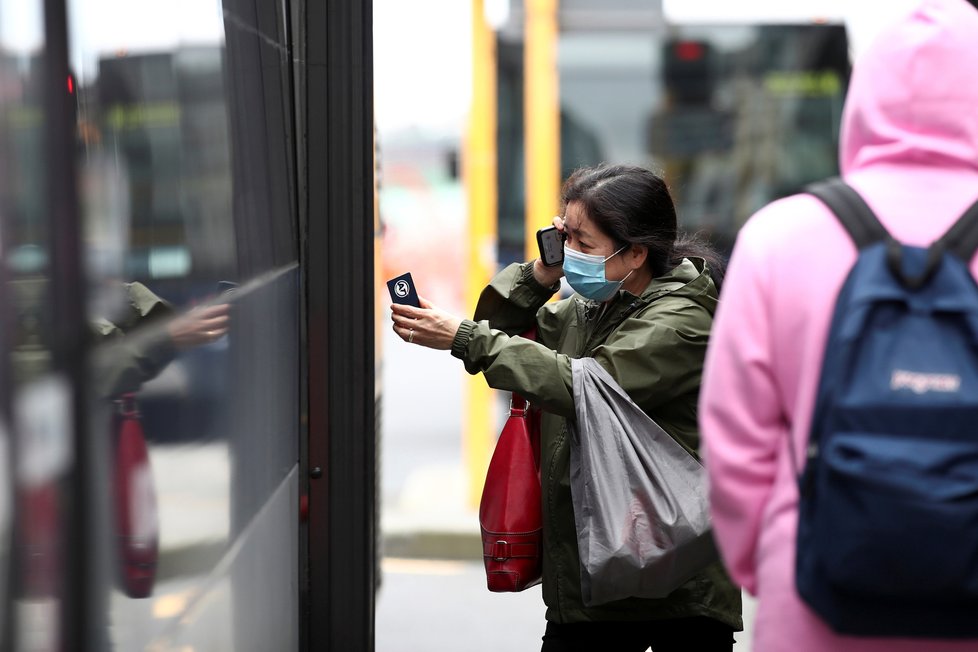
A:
888, 514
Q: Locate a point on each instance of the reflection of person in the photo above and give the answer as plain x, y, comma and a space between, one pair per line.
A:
146, 336
643, 311
142, 338
909, 146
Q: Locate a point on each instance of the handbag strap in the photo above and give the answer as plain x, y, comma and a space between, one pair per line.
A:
521, 408
518, 405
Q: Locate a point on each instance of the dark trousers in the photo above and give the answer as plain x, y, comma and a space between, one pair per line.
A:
699, 634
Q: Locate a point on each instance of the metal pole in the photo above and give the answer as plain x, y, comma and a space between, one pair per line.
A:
541, 119
480, 183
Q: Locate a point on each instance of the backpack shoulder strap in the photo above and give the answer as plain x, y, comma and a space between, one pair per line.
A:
962, 238
851, 210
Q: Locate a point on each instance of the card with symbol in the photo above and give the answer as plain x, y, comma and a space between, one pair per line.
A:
402, 290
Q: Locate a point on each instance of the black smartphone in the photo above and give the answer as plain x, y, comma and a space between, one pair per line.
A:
551, 244
226, 288
402, 290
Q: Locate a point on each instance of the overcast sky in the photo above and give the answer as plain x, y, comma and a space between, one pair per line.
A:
422, 62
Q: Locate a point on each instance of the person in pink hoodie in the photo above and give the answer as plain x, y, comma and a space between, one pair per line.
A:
909, 145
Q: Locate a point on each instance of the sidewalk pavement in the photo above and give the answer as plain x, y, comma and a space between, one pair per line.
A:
429, 519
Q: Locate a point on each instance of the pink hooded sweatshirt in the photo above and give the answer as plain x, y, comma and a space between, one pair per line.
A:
909, 145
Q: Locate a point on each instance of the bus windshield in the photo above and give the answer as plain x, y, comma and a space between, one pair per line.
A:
733, 116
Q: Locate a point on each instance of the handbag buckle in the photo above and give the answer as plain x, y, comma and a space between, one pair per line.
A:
125, 405
518, 410
500, 551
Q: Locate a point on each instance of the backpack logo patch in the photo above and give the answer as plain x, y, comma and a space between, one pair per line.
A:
921, 383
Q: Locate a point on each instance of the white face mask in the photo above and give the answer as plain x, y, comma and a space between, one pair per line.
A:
586, 274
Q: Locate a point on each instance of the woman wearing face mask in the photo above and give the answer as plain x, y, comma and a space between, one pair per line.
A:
643, 308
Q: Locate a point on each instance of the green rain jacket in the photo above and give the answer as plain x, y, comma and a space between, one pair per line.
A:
134, 347
653, 345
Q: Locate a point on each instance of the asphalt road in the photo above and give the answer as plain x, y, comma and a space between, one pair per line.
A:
443, 606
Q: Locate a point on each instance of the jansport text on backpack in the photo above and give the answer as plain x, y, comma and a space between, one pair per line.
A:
888, 513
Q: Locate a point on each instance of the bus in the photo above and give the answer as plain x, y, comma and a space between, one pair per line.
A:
187, 367
735, 107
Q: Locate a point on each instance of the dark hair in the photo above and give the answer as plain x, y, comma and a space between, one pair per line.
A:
632, 206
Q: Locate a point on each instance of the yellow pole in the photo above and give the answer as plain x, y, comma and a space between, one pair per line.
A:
480, 182
541, 101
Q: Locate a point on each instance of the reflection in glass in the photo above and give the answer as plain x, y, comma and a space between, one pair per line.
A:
184, 161
154, 164
35, 451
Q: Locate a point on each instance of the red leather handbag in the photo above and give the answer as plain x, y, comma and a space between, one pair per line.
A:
38, 534
510, 511
136, 520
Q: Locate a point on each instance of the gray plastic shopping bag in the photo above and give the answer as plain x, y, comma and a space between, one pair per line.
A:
640, 499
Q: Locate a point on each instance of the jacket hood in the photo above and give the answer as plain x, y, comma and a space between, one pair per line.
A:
913, 96
691, 278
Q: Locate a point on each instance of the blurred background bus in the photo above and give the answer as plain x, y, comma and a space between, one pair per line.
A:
733, 114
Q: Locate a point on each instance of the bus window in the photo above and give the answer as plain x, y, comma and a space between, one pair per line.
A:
733, 115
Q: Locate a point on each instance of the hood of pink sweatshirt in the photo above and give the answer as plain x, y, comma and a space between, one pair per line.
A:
914, 94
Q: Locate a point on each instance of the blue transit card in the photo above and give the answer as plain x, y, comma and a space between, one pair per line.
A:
402, 290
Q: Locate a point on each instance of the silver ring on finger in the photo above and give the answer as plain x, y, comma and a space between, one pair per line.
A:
410, 336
